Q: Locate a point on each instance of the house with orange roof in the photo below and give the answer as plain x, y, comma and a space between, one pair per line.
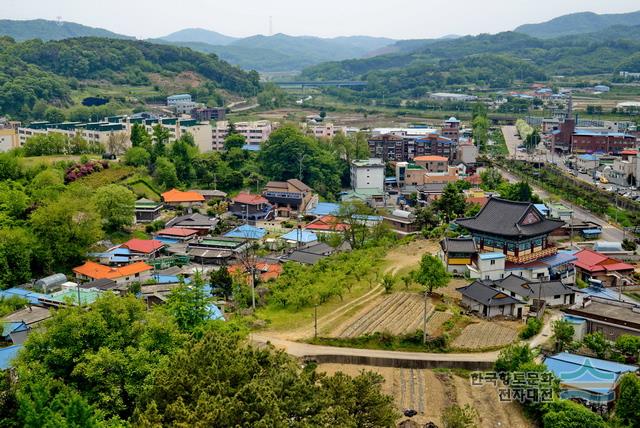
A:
592, 265
433, 163
253, 207
327, 224
267, 270
175, 197
172, 235
91, 271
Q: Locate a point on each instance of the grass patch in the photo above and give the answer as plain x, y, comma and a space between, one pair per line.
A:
114, 174
635, 295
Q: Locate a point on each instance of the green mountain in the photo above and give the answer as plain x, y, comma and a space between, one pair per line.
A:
51, 30
486, 60
36, 70
199, 35
282, 52
578, 23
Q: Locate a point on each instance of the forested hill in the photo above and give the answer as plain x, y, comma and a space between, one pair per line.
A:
35, 69
51, 30
493, 60
579, 23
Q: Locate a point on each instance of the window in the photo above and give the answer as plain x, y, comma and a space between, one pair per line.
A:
493, 262
501, 276
486, 277
557, 296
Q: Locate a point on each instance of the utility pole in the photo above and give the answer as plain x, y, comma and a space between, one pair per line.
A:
315, 321
301, 158
424, 320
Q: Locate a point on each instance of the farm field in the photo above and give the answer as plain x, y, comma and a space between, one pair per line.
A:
435, 322
429, 392
397, 314
484, 334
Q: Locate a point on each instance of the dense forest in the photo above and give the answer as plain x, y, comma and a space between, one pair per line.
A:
494, 61
36, 70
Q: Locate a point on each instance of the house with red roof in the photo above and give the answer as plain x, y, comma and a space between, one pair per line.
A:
267, 270
146, 248
175, 197
249, 206
593, 265
91, 271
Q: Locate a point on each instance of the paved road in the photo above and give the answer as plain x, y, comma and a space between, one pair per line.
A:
609, 232
513, 141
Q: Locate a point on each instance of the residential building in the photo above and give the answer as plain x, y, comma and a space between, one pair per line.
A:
392, 147
90, 271
432, 163
327, 224
172, 100
448, 96
588, 162
206, 114
488, 302
299, 237
467, 153
324, 130
598, 268
96, 132
451, 129
310, 254
8, 139
289, 197
434, 144
409, 174
246, 231
177, 127
264, 270
201, 223
211, 195
368, 174
554, 293
457, 254
147, 210
612, 318
255, 133
560, 212
172, 235
402, 222
175, 198
251, 207
625, 169
601, 88
145, 248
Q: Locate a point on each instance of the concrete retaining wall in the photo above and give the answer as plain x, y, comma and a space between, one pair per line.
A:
399, 362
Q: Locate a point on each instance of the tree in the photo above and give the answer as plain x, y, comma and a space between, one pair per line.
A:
54, 115
65, 228
188, 304
567, 414
628, 345
597, 343
426, 218
388, 282
221, 381
532, 140
98, 359
221, 282
451, 204
117, 142
519, 192
628, 403
354, 214
629, 245
234, 141
10, 168
16, 256
491, 179
116, 205
460, 417
165, 173
512, 357
140, 137
137, 156
431, 273
160, 139
182, 154
562, 333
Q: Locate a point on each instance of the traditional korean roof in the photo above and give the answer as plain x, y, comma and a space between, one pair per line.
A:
487, 295
459, 245
525, 288
509, 218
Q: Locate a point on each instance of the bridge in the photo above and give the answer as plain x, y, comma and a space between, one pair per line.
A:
322, 84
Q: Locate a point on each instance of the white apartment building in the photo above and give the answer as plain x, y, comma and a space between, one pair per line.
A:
367, 174
98, 132
255, 133
200, 131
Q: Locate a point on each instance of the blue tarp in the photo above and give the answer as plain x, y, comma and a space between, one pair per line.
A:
7, 355
246, 232
303, 236
31, 296
214, 312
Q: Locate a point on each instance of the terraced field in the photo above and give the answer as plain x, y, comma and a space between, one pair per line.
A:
484, 335
399, 313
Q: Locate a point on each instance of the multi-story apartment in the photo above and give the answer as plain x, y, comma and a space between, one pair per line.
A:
367, 174
8, 139
95, 132
451, 129
200, 131
390, 147
255, 133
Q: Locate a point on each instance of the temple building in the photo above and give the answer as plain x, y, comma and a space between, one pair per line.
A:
509, 238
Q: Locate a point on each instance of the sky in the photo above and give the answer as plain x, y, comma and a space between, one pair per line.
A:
398, 19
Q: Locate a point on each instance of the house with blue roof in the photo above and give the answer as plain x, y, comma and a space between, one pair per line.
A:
324, 208
246, 231
13, 332
299, 236
7, 355
590, 379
